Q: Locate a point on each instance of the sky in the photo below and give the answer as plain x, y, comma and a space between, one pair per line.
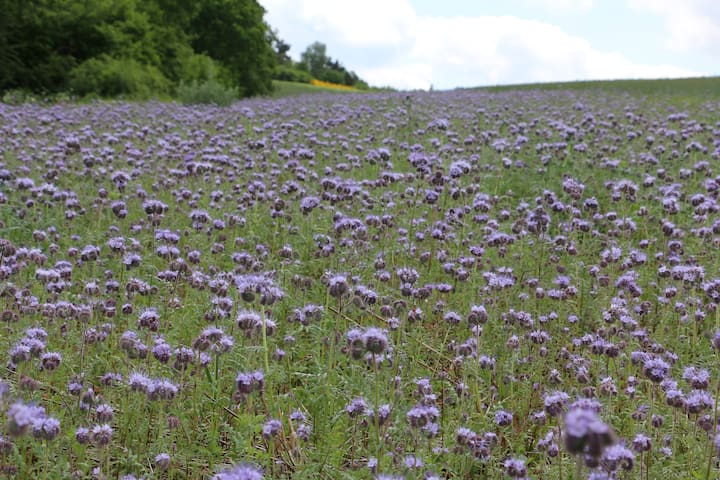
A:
444, 44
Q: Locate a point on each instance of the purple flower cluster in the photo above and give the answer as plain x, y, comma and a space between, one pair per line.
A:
529, 262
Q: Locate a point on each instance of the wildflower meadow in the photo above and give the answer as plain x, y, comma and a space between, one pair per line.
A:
426, 285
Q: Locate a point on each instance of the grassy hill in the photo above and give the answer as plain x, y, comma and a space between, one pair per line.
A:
700, 86
287, 89
691, 88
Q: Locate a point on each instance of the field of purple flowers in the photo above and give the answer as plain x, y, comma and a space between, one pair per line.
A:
435, 285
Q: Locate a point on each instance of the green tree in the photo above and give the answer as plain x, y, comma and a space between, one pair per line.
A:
134, 45
233, 33
315, 58
279, 46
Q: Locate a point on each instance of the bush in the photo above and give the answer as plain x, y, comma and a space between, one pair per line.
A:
197, 67
291, 74
210, 92
332, 76
112, 77
18, 97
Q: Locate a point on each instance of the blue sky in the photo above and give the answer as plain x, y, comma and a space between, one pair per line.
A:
415, 44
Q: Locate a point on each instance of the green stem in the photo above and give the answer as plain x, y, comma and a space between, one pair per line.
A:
265, 344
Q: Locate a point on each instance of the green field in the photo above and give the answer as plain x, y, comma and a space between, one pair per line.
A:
699, 88
483, 283
683, 87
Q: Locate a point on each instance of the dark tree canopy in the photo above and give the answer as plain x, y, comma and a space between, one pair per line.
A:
126, 47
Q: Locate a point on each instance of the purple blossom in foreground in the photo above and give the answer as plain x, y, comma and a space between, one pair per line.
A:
585, 433
514, 468
240, 472
20, 417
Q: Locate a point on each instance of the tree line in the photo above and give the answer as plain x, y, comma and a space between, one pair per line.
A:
147, 48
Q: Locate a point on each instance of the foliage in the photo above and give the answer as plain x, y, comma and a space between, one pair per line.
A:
46, 44
233, 32
207, 92
322, 67
291, 74
315, 58
18, 97
111, 77
280, 46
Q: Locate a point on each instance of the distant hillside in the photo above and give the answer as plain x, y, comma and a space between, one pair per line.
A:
701, 86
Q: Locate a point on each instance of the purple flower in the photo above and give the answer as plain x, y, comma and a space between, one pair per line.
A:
240, 472
411, 461
338, 285
46, 428
698, 401
503, 418
82, 435
698, 378
248, 320
104, 413
555, 403
586, 434
50, 360
139, 382
308, 204
162, 461
161, 389
271, 428
515, 468
655, 369
213, 339
641, 443
358, 406
250, 382
617, 456
101, 434
422, 415
381, 416
161, 350
20, 417
375, 340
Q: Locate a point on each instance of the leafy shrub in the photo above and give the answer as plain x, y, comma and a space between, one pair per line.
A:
113, 77
18, 96
332, 76
210, 92
198, 67
291, 74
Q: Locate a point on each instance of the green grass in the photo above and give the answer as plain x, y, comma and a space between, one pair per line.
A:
699, 86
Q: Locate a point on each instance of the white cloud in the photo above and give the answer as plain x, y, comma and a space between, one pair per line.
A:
562, 5
355, 24
411, 51
692, 24
493, 50
410, 76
